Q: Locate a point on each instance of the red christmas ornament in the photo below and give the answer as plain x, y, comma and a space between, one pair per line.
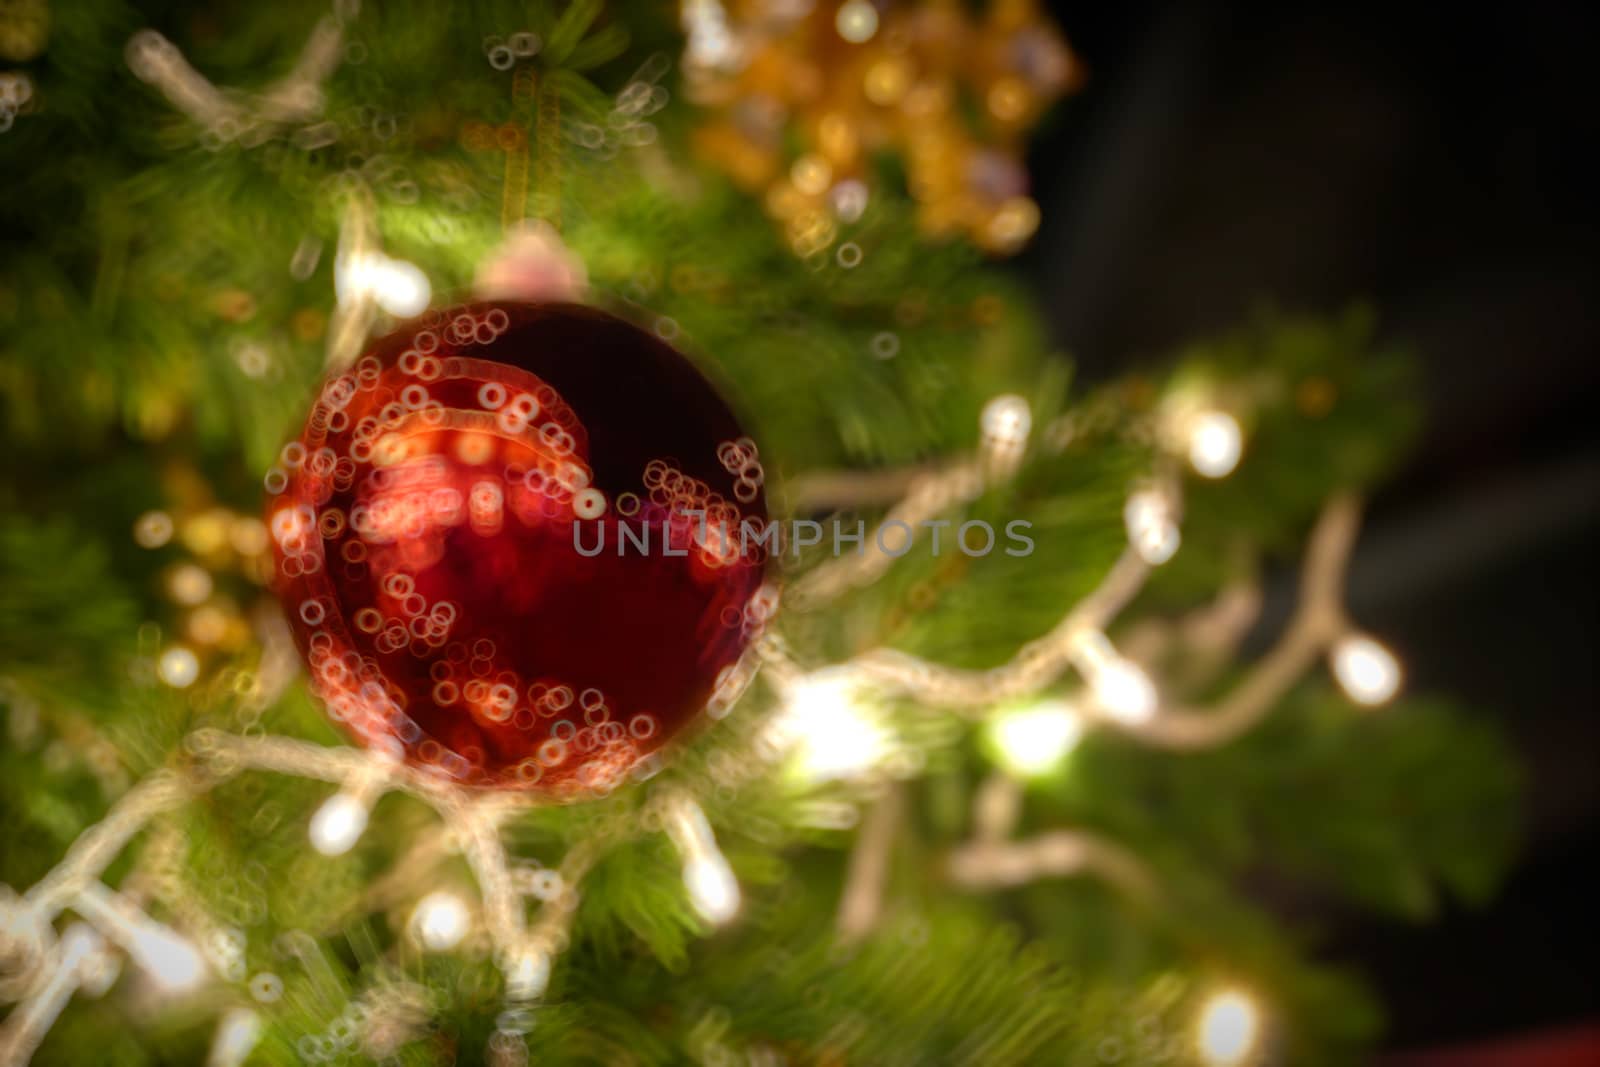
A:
511, 545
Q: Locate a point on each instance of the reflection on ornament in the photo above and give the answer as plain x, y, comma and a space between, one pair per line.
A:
434, 531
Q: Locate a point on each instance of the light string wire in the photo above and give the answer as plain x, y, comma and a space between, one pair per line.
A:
474, 821
41, 972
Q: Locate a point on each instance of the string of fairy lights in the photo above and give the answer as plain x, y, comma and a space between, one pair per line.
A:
829, 723
828, 726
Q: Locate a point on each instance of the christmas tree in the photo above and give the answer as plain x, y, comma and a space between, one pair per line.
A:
969, 759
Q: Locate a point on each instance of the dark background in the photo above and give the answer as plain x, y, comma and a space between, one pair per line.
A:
1431, 161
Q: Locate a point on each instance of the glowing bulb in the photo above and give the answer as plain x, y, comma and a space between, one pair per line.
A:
1215, 443
1124, 691
1229, 1024
189, 584
856, 21
170, 959
828, 731
713, 890
400, 288
706, 25
440, 921
167, 956
1158, 542
178, 667
849, 199
237, 1034
1013, 222
1031, 741
811, 174
528, 975
1366, 671
1007, 419
1151, 531
338, 824
152, 529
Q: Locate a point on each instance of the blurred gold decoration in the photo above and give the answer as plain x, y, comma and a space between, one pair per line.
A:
24, 29
535, 121
235, 305
219, 548
307, 324
1315, 397
801, 96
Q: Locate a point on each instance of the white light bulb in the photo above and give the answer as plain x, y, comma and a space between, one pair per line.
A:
178, 667
713, 890
1158, 542
856, 21
1215, 442
1366, 671
527, 975
829, 732
400, 288
237, 1034
169, 958
440, 921
1007, 419
849, 199
1151, 531
352, 276
706, 25
338, 824
1229, 1024
1031, 741
1124, 691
